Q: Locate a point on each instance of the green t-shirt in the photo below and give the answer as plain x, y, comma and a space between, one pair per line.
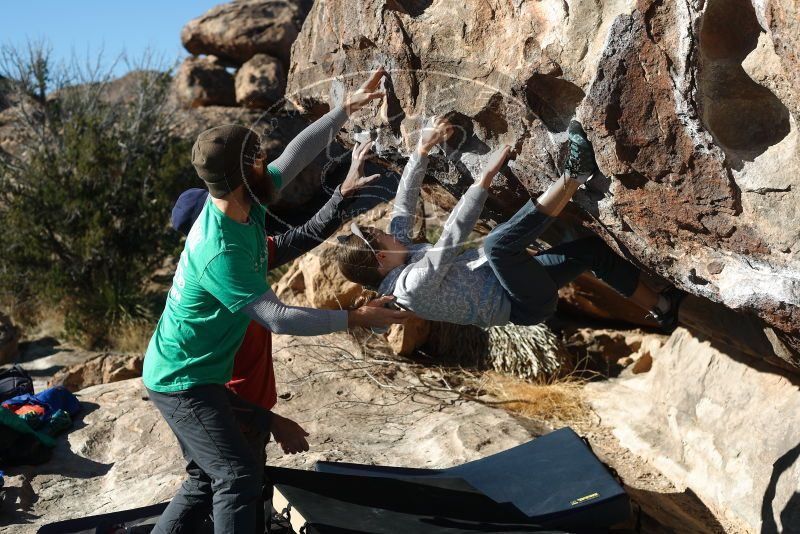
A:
222, 269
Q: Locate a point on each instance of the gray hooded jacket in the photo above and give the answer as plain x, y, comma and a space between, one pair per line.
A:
439, 282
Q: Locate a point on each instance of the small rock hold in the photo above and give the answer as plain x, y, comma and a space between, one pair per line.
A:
643, 364
715, 267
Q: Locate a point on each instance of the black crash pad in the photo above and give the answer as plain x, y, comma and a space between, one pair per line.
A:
554, 480
333, 503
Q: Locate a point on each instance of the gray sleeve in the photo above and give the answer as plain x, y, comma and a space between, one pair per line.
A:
279, 318
405, 201
433, 267
302, 150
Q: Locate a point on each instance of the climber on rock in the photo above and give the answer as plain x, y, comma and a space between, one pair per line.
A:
219, 287
500, 282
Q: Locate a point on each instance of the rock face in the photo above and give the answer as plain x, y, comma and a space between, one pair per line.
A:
613, 352
783, 20
103, 369
692, 109
237, 31
260, 82
724, 428
204, 82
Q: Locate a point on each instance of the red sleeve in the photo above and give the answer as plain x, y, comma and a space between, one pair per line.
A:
253, 376
270, 251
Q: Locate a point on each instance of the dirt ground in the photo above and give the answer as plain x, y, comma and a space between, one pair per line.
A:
360, 404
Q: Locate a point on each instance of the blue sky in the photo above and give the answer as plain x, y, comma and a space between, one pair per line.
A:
114, 26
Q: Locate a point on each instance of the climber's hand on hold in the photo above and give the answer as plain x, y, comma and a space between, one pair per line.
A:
434, 132
496, 161
356, 180
369, 91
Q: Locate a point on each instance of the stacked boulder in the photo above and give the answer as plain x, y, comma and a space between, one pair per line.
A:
240, 53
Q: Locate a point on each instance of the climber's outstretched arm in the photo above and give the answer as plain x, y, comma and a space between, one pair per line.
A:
302, 150
401, 226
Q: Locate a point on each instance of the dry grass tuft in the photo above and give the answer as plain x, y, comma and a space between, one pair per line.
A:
559, 400
132, 336
34, 320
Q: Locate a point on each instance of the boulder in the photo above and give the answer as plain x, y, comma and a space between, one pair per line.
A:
204, 81
699, 156
721, 426
405, 339
9, 339
102, 369
260, 82
237, 31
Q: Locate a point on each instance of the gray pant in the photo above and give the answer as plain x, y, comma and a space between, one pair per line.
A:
225, 472
532, 282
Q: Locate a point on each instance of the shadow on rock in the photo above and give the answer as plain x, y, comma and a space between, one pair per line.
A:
790, 515
743, 337
15, 503
662, 511
39, 348
86, 409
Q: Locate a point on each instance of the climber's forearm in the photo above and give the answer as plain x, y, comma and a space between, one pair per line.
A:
405, 202
302, 150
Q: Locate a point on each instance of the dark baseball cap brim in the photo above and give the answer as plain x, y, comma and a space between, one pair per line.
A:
187, 209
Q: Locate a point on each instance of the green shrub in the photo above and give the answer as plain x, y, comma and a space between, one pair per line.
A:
85, 198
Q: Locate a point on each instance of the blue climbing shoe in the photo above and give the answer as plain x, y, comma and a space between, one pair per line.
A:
580, 159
